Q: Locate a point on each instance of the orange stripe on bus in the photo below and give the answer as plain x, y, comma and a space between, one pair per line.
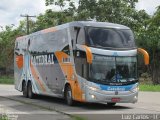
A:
19, 37
19, 61
52, 29
34, 73
68, 70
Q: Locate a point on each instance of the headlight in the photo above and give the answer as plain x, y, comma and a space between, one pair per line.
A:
135, 88
94, 88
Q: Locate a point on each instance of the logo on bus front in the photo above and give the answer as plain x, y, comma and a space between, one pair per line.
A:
116, 89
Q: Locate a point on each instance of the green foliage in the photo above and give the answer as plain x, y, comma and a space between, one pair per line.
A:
6, 80
7, 38
4, 117
146, 87
145, 78
51, 18
78, 118
148, 37
56, 2
101, 10
23, 26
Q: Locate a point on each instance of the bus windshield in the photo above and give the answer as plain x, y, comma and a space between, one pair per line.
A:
107, 70
109, 37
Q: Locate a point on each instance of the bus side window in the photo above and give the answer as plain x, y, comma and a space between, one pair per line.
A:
81, 37
17, 46
73, 35
66, 50
81, 63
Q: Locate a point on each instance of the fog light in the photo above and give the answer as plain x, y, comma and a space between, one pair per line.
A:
93, 96
135, 97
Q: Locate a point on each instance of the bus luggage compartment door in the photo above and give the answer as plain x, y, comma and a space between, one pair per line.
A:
55, 78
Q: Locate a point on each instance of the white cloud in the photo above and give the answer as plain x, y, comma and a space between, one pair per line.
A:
148, 5
10, 10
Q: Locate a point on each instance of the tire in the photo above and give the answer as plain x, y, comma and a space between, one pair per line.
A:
111, 104
68, 96
29, 91
24, 89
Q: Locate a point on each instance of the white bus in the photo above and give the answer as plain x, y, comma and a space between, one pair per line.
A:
82, 61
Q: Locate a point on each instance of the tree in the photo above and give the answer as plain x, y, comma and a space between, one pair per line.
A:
23, 26
51, 18
7, 38
115, 11
148, 38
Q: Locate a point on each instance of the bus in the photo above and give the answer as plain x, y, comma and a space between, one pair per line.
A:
83, 61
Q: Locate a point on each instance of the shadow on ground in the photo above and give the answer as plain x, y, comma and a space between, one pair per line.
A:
59, 104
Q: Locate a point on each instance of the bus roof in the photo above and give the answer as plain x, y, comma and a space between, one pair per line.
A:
78, 24
99, 24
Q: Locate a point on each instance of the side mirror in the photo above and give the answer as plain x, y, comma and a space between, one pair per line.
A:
145, 54
88, 53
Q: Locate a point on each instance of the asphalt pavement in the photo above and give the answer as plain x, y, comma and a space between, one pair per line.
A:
49, 108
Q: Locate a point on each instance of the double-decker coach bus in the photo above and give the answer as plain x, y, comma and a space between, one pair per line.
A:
82, 61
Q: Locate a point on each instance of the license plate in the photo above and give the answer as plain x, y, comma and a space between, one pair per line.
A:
116, 99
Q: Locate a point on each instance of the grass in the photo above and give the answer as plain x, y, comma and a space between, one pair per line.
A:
78, 118
152, 88
4, 117
6, 80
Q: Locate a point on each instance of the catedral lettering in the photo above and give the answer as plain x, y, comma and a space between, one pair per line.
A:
43, 59
82, 61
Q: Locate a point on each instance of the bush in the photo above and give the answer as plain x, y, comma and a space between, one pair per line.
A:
145, 78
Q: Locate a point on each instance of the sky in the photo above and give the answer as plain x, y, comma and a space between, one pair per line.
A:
10, 10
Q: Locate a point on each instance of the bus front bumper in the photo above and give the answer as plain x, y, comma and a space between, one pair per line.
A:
111, 96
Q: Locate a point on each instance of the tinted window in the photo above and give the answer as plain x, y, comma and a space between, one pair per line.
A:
107, 37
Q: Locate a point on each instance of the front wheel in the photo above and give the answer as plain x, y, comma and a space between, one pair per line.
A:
111, 104
68, 96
